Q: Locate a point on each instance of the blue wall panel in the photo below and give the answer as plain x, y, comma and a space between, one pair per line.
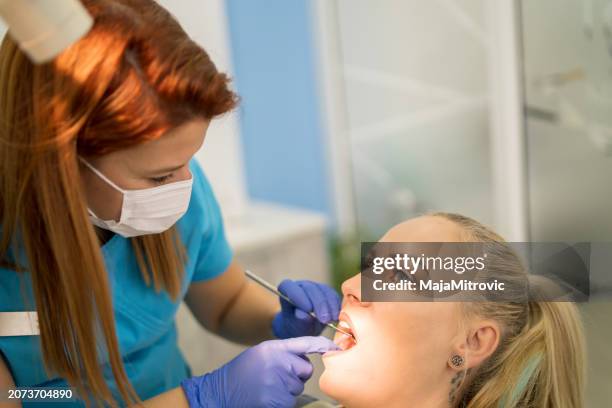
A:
275, 75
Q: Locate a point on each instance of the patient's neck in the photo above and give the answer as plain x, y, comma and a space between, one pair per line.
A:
436, 397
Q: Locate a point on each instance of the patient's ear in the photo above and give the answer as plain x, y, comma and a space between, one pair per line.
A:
480, 343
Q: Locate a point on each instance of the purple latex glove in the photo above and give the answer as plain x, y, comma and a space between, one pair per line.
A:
270, 374
309, 297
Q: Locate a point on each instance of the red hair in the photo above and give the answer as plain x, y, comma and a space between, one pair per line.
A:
132, 78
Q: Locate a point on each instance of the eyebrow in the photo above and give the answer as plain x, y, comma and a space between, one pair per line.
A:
168, 169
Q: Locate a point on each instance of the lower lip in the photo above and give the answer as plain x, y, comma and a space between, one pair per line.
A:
333, 353
337, 352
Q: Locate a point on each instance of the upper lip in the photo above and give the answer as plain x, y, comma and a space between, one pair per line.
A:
345, 317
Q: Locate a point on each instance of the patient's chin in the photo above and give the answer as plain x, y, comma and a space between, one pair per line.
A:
335, 387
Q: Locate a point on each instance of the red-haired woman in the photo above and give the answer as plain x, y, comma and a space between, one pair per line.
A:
107, 224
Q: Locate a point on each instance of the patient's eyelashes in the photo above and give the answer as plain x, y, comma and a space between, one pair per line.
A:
400, 274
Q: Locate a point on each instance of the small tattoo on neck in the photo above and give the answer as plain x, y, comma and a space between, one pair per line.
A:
456, 382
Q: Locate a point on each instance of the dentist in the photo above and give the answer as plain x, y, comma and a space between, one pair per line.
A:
107, 224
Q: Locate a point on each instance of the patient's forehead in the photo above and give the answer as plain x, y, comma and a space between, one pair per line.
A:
425, 229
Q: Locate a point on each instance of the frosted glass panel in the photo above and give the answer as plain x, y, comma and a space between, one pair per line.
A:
415, 81
568, 82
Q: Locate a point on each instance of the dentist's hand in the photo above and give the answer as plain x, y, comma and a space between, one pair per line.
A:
271, 374
309, 297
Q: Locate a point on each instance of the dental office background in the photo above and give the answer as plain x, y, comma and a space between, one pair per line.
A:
357, 114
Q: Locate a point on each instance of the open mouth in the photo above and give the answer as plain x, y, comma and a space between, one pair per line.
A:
344, 341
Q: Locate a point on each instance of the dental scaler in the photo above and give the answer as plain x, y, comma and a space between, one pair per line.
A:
267, 285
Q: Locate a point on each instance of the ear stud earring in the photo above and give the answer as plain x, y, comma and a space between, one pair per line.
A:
456, 361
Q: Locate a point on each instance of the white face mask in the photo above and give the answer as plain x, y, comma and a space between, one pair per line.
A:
146, 211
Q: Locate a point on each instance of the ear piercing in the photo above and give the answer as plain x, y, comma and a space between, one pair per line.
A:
456, 361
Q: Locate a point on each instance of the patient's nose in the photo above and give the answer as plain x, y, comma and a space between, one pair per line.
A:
351, 290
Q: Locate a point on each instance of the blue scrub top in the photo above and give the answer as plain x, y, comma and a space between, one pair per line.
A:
144, 319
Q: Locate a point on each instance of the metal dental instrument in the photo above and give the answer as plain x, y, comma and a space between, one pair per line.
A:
267, 285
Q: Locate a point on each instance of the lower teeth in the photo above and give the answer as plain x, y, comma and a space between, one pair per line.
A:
346, 343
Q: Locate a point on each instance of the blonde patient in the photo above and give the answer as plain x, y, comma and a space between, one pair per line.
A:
455, 354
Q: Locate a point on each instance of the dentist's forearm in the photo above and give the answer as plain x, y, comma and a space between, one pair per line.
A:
233, 307
249, 319
174, 398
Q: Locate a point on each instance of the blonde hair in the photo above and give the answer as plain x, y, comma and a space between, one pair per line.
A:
131, 79
540, 360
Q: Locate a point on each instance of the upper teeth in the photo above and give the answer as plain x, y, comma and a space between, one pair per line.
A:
344, 324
